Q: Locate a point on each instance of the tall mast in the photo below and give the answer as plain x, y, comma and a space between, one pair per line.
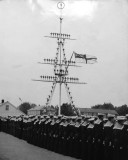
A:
61, 65
60, 6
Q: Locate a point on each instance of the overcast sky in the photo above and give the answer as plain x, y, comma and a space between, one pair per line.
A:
101, 29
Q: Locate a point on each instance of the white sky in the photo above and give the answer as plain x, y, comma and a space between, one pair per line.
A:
101, 29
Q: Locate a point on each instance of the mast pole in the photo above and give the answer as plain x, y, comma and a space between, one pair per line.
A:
61, 6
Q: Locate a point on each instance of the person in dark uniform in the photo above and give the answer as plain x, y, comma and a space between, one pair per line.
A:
61, 135
14, 125
108, 137
65, 134
78, 138
71, 136
24, 127
51, 140
126, 135
56, 134
84, 136
98, 136
119, 150
47, 131
31, 131
20, 134
42, 125
90, 139
38, 131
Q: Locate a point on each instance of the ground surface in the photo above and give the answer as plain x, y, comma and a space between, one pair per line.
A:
12, 148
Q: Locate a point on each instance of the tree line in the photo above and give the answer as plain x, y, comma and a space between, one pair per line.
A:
121, 110
67, 109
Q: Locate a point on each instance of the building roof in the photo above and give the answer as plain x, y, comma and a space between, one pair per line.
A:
104, 111
36, 108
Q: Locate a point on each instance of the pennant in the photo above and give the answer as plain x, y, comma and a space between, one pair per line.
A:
84, 58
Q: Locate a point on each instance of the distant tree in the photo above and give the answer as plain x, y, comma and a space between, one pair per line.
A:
56, 110
97, 106
67, 110
122, 110
24, 107
108, 106
104, 106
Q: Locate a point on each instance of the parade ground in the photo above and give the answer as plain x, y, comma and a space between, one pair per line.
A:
12, 148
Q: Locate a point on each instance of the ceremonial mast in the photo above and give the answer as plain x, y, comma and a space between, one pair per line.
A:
61, 66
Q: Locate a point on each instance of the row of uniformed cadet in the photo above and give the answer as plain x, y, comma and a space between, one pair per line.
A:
87, 138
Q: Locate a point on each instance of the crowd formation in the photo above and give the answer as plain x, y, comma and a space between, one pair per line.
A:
86, 138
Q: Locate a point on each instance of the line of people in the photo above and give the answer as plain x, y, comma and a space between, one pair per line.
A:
86, 138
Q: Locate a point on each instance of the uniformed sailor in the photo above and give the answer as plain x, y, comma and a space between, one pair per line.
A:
64, 136
84, 136
78, 138
71, 136
90, 139
126, 135
46, 131
108, 137
20, 127
31, 132
61, 135
98, 144
51, 139
119, 150
56, 133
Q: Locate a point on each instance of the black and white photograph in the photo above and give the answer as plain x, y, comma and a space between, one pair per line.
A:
63, 79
